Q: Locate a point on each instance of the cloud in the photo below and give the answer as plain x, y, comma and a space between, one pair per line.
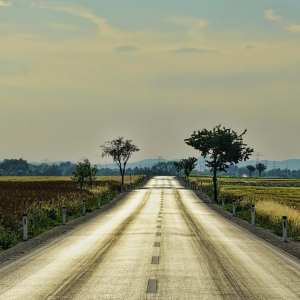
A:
270, 15
5, 4
126, 48
257, 46
186, 22
294, 28
102, 25
193, 50
60, 26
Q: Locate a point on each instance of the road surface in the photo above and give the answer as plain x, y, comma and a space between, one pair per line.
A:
160, 242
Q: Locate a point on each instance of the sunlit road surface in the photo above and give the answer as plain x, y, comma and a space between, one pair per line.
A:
159, 243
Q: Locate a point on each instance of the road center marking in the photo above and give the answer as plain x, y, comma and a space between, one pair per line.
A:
152, 286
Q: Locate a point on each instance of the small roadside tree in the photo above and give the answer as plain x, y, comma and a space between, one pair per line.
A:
120, 151
178, 166
260, 167
84, 174
188, 165
223, 146
251, 169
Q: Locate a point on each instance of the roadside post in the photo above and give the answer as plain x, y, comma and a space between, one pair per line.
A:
284, 228
253, 215
223, 203
83, 207
25, 227
233, 208
99, 202
108, 198
116, 193
64, 215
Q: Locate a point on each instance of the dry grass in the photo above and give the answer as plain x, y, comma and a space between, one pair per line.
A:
43, 198
273, 198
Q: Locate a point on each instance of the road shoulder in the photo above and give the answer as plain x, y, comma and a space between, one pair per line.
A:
291, 247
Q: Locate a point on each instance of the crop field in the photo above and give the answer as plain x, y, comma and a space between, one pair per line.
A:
42, 198
273, 198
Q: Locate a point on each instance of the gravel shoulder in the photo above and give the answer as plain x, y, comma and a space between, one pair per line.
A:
291, 247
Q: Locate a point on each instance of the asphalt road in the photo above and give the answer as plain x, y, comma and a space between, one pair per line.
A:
161, 242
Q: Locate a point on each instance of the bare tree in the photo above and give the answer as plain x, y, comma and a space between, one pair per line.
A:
120, 150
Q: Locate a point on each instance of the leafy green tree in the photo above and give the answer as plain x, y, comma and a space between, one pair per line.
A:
260, 167
188, 165
84, 174
251, 169
120, 151
178, 166
223, 146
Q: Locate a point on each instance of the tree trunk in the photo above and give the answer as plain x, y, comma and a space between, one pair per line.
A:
122, 184
215, 185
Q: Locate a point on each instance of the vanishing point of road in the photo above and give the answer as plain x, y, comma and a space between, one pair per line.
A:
158, 242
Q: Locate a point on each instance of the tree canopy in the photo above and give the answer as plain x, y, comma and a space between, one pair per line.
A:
84, 174
120, 150
260, 167
251, 169
223, 146
188, 165
178, 166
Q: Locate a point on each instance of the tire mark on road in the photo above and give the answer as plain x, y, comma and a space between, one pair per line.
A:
88, 266
221, 269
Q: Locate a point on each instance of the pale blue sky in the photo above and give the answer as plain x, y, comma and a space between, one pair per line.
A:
74, 74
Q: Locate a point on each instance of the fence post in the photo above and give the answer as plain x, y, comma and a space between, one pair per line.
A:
108, 198
64, 215
25, 227
83, 207
233, 208
253, 215
223, 203
99, 202
284, 228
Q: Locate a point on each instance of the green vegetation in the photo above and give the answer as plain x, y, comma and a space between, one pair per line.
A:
120, 151
43, 201
273, 198
223, 146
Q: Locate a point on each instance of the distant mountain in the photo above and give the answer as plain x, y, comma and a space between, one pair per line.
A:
291, 164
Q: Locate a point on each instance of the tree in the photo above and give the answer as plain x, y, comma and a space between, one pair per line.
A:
120, 150
251, 169
53, 170
178, 166
188, 165
260, 167
223, 146
84, 174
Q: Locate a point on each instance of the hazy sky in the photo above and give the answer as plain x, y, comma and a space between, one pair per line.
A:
74, 74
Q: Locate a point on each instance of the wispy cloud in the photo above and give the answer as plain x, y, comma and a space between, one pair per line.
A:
257, 46
270, 15
5, 4
102, 25
294, 28
193, 50
126, 48
60, 26
188, 22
